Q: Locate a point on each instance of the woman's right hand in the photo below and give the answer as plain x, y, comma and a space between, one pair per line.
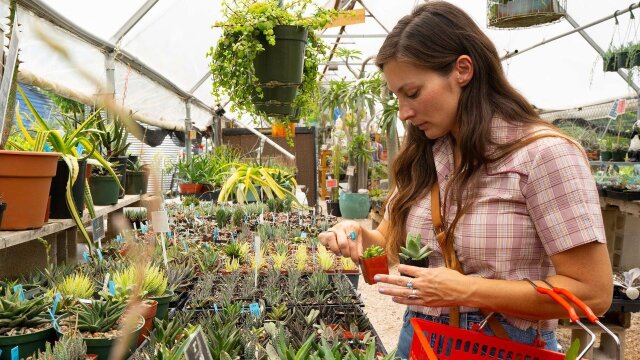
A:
344, 239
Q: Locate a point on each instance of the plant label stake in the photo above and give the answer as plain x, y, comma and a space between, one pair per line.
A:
254, 309
197, 348
215, 234
215, 307
98, 230
85, 256
15, 353
18, 289
105, 284
350, 170
112, 287
160, 222
256, 248
99, 252
300, 217
164, 251
52, 312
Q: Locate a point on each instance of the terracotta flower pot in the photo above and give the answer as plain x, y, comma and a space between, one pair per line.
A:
20, 170
372, 266
149, 308
190, 188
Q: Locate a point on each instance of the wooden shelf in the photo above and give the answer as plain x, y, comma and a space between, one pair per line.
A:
13, 238
628, 207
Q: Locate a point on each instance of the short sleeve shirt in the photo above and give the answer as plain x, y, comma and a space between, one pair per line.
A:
537, 202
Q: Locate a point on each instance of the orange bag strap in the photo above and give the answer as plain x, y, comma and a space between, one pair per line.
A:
451, 262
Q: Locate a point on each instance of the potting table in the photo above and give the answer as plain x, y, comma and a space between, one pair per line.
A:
19, 253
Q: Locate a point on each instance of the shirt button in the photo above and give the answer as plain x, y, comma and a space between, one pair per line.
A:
446, 177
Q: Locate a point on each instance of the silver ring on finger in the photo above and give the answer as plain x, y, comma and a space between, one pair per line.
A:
413, 294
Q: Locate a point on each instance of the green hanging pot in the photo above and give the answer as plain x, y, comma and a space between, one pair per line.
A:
279, 70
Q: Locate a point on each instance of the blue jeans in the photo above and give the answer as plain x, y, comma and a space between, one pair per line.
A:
467, 320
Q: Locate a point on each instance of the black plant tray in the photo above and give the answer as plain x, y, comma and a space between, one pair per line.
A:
623, 195
622, 303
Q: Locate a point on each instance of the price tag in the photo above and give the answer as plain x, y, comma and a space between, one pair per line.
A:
192, 134
20, 291
254, 308
351, 170
216, 234
98, 230
105, 284
215, 307
144, 228
331, 183
196, 348
160, 221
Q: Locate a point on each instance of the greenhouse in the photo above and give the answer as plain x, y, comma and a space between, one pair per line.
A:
319, 179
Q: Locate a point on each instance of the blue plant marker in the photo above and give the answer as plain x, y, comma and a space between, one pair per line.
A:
169, 234
112, 287
99, 252
47, 148
18, 289
85, 256
52, 312
254, 308
15, 353
184, 243
206, 245
79, 149
119, 238
0, 352
56, 300
215, 307
303, 235
215, 234
144, 228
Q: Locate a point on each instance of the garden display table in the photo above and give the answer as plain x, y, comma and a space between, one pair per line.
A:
19, 253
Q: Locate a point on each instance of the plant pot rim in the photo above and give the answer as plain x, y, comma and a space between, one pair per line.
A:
141, 321
30, 153
14, 337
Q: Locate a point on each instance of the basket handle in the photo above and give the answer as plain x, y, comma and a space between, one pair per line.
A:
574, 299
559, 299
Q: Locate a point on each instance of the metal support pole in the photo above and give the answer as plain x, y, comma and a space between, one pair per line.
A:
110, 69
622, 73
187, 129
133, 20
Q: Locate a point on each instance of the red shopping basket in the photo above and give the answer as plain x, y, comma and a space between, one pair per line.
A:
456, 344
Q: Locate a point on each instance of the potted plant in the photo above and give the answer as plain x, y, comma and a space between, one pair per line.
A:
104, 188
266, 61
137, 178
25, 323
137, 216
100, 325
192, 174
245, 179
413, 254
606, 145
619, 149
373, 261
216, 172
72, 288
523, 13
113, 140
69, 347
153, 287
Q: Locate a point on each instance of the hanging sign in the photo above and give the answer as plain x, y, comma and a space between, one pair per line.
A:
622, 106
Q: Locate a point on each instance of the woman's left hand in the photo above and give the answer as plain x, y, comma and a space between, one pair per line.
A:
432, 287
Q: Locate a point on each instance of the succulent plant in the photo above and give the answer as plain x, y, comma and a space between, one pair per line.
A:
16, 313
348, 264
237, 217
282, 246
222, 216
69, 347
233, 250
412, 249
154, 282
76, 286
279, 260
373, 251
99, 316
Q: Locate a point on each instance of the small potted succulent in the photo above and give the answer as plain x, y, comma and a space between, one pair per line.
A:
414, 255
137, 178
69, 347
373, 261
24, 323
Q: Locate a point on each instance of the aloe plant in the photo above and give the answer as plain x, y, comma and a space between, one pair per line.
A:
245, 178
73, 287
68, 145
373, 251
154, 282
99, 316
16, 313
69, 347
412, 249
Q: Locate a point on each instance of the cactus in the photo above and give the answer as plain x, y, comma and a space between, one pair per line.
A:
373, 251
16, 314
412, 249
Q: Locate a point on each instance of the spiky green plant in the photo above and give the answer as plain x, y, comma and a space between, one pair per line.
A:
222, 337
282, 246
99, 316
16, 314
237, 217
373, 251
222, 216
154, 283
412, 249
278, 260
69, 347
233, 250
73, 287
278, 312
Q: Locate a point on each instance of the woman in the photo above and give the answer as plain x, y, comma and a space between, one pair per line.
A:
517, 197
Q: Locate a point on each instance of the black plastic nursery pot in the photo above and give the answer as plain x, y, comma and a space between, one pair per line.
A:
609, 64
59, 209
333, 208
618, 155
279, 70
121, 169
104, 190
27, 344
623, 195
622, 59
605, 155
419, 263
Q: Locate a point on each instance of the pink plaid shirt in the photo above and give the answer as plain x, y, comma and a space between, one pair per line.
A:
539, 201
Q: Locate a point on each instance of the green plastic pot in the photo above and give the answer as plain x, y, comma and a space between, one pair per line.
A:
104, 190
135, 183
605, 155
27, 344
354, 205
102, 347
618, 155
279, 70
163, 304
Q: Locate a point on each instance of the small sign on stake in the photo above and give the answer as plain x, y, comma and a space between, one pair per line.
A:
197, 348
98, 230
351, 170
160, 221
332, 183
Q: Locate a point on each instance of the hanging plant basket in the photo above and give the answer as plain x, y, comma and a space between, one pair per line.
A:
279, 70
510, 14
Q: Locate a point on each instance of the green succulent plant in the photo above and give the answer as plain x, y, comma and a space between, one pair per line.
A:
99, 316
222, 216
75, 286
412, 249
69, 347
237, 218
373, 251
16, 313
233, 250
154, 283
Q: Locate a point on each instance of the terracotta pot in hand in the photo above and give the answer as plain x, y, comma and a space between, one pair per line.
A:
372, 266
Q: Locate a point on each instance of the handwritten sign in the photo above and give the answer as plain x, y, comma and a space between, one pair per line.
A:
197, 347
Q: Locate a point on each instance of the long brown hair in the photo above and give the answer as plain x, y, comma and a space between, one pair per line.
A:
433, 37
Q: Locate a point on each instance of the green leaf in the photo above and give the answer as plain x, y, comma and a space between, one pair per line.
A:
573, 351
